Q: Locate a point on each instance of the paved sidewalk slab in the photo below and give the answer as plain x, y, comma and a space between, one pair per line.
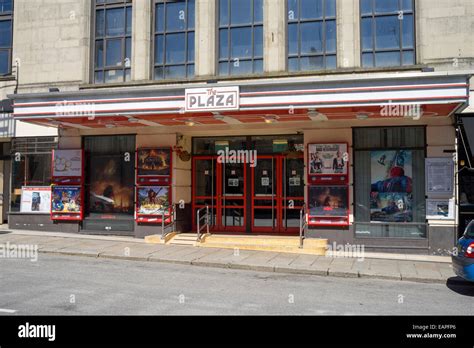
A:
86, 248
257, 261
382, 269
428, 272
343, 267
407, 270
129, 251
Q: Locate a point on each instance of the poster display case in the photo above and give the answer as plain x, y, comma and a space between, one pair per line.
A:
153, 184
67, 193
328, 178
154, 166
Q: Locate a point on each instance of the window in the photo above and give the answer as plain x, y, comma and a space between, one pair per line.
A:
174, 39
6, 36
31, 165
387, 33
311, 35
113, 41
240, 37
389, 180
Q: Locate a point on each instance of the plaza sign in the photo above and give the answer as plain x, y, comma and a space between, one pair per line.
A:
212, 99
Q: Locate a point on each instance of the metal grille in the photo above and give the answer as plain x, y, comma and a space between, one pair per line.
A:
34, 145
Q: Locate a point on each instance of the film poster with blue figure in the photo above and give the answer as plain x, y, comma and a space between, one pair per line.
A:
391, 197
66, 199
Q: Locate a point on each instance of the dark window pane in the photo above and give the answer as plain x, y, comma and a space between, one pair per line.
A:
159, 73
331, 62
387, 32
407, 5
191, 46
385, 59
99, 54
258, 41
129, 20
175, 16
99, 23
293, 64
292, 38
4, 62
312, 63
330, 8
6, 6
241, 68
331, 36
366, 32
258, 11
311, 9
258, 66
113, 76
384, 6
6, 33
366, 7
223, 12
408, 31
367, 60
128, 52
115, 22
240, 11
311, 37
191, 14
175, 48
160, 18
292, 10
241, 42
175, 72
408, 58
190, 70
223, 44
113, 52
223, 68
159, 49
99, 77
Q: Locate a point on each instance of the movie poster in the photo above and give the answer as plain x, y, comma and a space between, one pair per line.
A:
35, 199
328, 201
391, 198
155, 162
328, 159
111, 185
67, 163
153, 200
66, 199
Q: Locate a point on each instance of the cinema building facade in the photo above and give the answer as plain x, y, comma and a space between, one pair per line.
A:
257, 120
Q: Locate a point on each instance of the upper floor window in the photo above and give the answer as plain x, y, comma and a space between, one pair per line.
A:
311, 35
6, 36
113, 41
240, 37
387, 33
174, 39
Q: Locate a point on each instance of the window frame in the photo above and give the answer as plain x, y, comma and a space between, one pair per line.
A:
229, 60
300, 21
8, 16
104, 5
164, 33
373, 15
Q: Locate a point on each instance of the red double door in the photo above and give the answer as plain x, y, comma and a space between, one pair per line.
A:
263, 197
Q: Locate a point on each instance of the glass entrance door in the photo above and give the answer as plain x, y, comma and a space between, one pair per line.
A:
222, 187
276, 189
277, 194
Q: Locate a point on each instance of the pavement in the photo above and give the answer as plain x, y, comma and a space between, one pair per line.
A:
415, 268
73, 285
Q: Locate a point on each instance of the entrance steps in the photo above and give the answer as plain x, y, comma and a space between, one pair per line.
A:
184, 239
265, 243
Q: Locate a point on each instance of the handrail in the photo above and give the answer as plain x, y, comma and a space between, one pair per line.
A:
199, 218
303, 224
172, 216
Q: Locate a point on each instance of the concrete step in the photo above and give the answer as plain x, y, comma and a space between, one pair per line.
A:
276, 248
182, 242
283, 241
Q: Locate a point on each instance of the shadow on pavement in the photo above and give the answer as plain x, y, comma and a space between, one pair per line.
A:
5, 232
460, 286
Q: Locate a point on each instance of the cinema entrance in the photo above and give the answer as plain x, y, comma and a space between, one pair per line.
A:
260, 190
